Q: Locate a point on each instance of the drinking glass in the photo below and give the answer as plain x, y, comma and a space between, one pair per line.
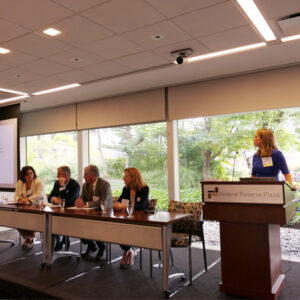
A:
130, 209
62, 203
103, 205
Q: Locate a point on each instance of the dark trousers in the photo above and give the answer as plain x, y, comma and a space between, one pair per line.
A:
125, 247
100, 245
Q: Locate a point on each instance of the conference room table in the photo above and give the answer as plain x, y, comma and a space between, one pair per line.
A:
27, 217
144, 230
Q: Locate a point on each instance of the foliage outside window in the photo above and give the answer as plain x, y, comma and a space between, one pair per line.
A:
221, 147
45, 153
140, 146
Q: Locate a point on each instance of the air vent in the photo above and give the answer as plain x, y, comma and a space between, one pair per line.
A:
290, 25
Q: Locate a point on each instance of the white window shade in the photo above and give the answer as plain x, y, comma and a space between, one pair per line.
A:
252, 92
143, 107
49, 120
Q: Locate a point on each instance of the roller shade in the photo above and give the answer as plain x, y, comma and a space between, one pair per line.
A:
49, 120
143, 107
272, 89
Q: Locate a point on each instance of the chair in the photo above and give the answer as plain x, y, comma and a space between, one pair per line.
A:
187, 231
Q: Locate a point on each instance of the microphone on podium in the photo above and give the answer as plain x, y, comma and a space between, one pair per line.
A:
233, 167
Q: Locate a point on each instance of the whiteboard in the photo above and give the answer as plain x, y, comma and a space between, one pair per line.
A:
8, 153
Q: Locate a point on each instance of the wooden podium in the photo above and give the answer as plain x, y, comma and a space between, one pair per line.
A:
250, 215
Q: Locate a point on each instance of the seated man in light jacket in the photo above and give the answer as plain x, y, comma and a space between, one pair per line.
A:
94, 191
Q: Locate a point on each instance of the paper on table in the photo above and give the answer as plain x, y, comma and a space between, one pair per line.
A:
52, 205
10, 202
74, 207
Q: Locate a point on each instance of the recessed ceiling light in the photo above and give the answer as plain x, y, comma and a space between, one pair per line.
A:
4, 51
290, 38
76, 59
60, 88
52, 31
226, 52
251, 10
157, 37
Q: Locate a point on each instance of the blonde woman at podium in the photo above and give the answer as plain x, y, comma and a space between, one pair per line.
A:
268, 161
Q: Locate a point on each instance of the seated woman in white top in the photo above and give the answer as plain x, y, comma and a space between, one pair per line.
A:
29, 190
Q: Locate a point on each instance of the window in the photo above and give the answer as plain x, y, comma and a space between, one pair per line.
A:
45, 153
221, 147
140, 146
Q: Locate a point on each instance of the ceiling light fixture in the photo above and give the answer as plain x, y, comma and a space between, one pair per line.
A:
251, 10
291, 38
13, 92
20, 96
13, 99
52, 31
60, 88
4, 51
226, 52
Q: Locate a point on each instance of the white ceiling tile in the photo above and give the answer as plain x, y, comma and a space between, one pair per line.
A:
212, 20
15, 58
10, 31
33, 14
142, 61
278, 8
83, 58
195, 45
78, 30
113, 47
231, 38
45, 67
169, 32
77, 76
19, 75
172, 8
121, 16
107, 69
78, 5
37, 45
39, 85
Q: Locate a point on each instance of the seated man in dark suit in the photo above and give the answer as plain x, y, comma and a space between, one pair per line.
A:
94, 191
66, 188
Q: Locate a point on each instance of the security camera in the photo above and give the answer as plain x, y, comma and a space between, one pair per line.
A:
181, 55
180, 59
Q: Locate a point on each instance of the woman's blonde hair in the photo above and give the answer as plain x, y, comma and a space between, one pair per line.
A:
267, 142
137, 182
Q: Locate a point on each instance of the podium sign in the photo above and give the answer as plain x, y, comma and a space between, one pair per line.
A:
243, 193
250, 215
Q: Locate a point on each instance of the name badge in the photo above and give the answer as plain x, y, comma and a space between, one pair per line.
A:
125, 201
138, 199
62, 188
267, 161
95, 198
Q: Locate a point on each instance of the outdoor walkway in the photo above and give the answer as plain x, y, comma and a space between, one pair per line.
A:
290, 239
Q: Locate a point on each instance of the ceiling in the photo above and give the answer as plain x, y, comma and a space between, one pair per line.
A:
120, 46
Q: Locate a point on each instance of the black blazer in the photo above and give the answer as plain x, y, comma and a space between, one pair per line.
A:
141, 197
70, 193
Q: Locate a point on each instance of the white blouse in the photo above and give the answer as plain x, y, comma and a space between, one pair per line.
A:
37, 190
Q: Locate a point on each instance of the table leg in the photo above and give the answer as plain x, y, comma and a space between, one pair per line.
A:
166, 244
45, 239
49, 241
